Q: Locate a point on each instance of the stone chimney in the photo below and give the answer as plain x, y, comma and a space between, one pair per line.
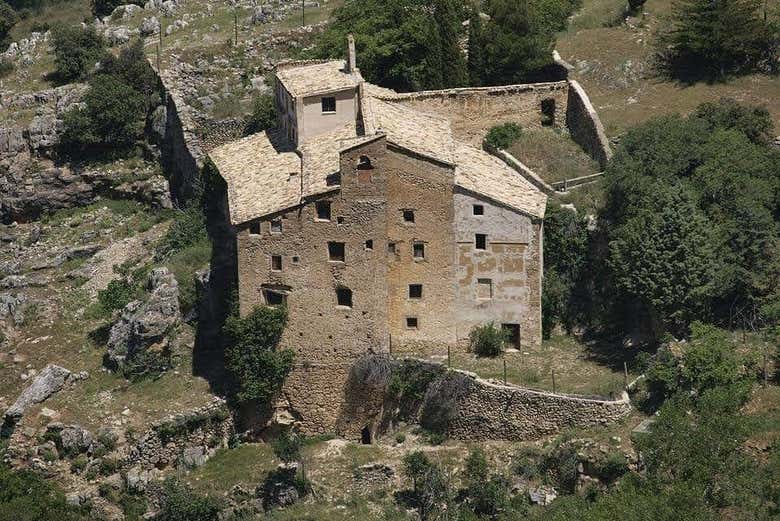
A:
351, 60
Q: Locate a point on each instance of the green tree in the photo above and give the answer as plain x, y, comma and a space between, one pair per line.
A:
76, 51
476, 49
263, 115
25, 496
251, 354
448, 15
753, 121
113, 116
430, 487
8, 19
487, 340
132, 66
712, 39
662, 259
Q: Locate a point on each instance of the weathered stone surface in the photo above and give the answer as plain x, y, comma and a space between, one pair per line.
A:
143, 324
193, 457
12, 306
48, 382
149, 26
75, 439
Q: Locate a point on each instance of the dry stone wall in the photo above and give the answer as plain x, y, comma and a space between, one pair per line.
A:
585, 126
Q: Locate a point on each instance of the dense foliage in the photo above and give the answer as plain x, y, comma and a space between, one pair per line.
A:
258, 367
102, 8
180, 503
263, 115
503, 136
76, 52
25, 496
8, 19
487, 340
711, 40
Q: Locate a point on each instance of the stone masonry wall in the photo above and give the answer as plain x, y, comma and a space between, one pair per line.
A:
585, 126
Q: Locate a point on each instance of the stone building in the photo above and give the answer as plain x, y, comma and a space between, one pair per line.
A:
379, 227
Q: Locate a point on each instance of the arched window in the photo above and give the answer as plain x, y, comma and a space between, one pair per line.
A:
364, 163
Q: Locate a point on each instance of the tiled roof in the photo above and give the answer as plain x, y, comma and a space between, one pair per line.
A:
485, 174
316, 78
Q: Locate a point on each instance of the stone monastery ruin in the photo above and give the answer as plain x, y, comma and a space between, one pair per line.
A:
380, 222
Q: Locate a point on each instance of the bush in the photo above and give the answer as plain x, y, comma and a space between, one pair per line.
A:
287, 447
76, 51
487, 340
25, 496
117, 295
503, 136
8, 19
251, 355
180, 503
263, 115
439, 405
6, 67
611, 467
101, 8
430, 489
559, 465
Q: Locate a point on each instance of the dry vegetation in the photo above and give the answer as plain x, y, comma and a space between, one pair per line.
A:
553, 155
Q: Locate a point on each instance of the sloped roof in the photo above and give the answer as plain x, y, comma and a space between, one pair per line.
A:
316, 78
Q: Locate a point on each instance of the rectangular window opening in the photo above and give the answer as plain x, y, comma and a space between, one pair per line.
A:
511, 334
329, 104
336, 251
369, 244
276, 226
408, 216
418, 250
254, 228
344, 297
480, 241
415, 290
484, 289
411, 323
274, 298
323, 210
479, 209
276, 262
390, 247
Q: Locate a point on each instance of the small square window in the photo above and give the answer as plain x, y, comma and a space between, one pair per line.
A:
479, 209
344, 297
274, 298
254, 228
296, 259
323, 210
369, 244
333, 179
329, 104
390, 247
408, 216
340, 220
484, 289
415, 290
481, 241
276, 226
418, 250
336, 251
276, 262
411, 323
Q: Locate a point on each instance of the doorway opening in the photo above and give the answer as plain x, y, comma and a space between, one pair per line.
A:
365, 436
512, 334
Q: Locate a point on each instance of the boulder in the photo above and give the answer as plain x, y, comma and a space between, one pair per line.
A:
149, 26
49, 381
137, 479
12, 306
145, 324
75, 439
193, 457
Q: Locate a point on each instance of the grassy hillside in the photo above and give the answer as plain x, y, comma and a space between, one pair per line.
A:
613, 61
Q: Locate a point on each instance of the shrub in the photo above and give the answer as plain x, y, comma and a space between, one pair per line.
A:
503, 136
430, 489
251, 355
635, 5
117, 295
79, 464
76, 51
611, 466
526, 463
439, 405
559, 465
400, 438
188, 228
8, 18
263, 115
180, 503
101, 8
6, 67
287, 447
25, 496
487, 340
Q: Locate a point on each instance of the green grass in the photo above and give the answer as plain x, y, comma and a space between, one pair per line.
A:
183, 264
553, 155
246, 465
69, 12
587, 198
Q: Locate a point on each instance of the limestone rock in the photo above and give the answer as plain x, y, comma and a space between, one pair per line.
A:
542, 495
149, 26
12, 306
48, 382
193, 457
75, 439
143, 324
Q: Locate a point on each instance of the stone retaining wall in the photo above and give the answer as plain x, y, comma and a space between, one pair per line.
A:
585, 126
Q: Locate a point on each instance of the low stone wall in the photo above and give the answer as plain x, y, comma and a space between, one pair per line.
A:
585, 126
187, 439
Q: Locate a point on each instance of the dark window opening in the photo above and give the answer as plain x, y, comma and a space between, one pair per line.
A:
415, 290
333, 179
511, 334
276, 262
479, 209
408, 216
344, 297
365, 436
369, 244
296, 259
276, 226
336, 251
418, 250
340, 220
274, 298
364, 163
411, 323
323, 210
390, 247
329, 104
481, 241
254, 228
548, 112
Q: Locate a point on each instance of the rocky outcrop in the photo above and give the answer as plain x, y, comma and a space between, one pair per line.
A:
143, 327
50, 380
12, 307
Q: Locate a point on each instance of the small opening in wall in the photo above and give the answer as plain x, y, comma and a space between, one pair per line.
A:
339, 220
336, 251
276, 262
369, 244
408, 216
418, 250
254, 228
484, 289
333, 179
276, 226
364, 163
415, 290
479, 209
365, 436
411, 323
391, 247
329, 104
274, 298
480, 241
512, 334
344, 297
296, 259
323, 210
548, 112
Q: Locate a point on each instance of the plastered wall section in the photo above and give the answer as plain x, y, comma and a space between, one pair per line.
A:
326, 337
474, 111
316, 122
503, 282
424, 187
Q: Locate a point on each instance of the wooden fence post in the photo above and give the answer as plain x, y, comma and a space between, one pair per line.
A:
553, 379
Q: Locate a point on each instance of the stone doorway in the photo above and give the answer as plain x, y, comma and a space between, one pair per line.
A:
365, 435
512, 332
